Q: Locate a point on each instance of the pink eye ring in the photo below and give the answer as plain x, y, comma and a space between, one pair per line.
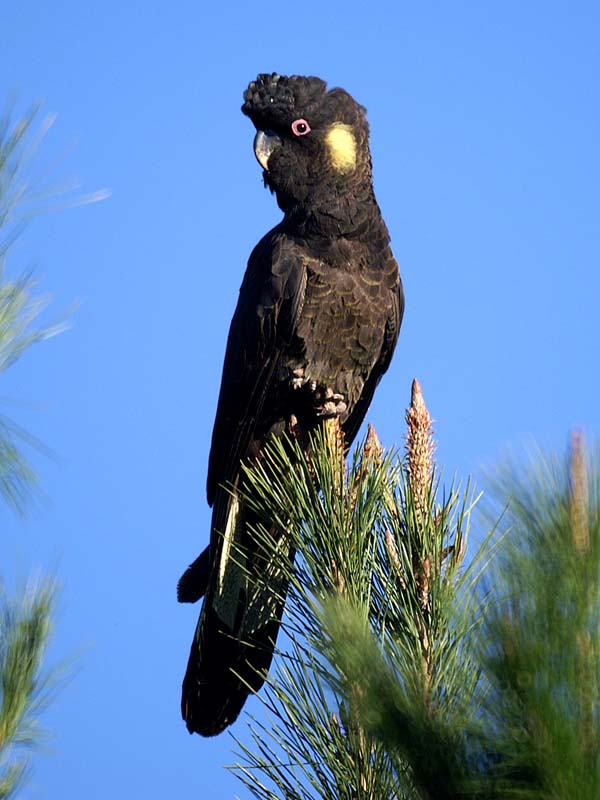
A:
300, 127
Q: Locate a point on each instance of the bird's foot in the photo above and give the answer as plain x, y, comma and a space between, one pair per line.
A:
323, 400
328, 403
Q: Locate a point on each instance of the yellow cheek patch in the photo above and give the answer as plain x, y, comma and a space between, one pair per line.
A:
342, 146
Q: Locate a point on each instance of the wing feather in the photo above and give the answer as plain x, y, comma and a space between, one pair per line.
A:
270, 298
392, 330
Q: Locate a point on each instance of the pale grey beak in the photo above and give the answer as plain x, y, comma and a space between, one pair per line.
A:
264, 144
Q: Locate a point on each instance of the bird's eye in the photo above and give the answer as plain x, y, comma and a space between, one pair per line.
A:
300, 127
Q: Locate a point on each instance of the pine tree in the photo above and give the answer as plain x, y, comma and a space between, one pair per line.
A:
25, 615
407, 673
543, 639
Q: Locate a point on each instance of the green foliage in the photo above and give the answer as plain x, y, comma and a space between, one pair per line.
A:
28, 189
309, 745
543, 653
372, 603
13, 190
24, 618
24, 630
407, 674
18, 312
19, 308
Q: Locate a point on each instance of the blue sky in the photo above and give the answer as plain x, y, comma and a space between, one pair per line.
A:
485, 126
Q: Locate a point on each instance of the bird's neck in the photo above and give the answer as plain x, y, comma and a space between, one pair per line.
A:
349, 215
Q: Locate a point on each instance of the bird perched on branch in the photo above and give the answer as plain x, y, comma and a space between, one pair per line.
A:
316, 323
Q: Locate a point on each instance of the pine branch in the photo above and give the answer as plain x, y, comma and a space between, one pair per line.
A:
19, 309
24, 631
24, 619
373, 543
544, 653
409, 674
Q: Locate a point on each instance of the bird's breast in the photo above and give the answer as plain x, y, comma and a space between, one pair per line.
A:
340, 328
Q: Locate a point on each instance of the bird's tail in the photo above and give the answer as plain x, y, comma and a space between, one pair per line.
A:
235, 637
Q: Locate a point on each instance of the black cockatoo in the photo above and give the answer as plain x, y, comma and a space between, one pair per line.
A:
315, 326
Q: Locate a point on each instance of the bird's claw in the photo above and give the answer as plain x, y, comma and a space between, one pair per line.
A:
329, 403
324, 401
299, 381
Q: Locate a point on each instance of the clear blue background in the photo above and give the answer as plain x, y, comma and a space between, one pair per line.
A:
485, 138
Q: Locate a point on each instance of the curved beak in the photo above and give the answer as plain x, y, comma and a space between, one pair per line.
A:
265, 142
